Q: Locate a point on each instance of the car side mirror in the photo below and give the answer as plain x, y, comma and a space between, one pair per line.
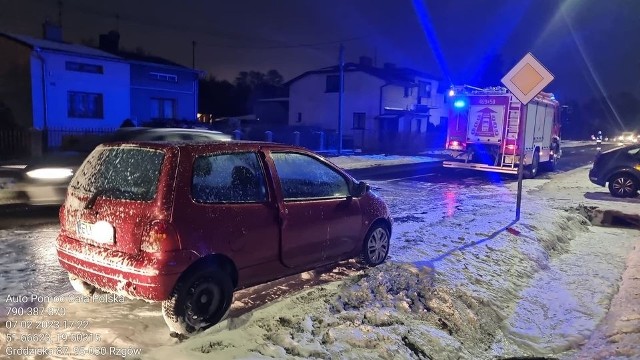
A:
360, 189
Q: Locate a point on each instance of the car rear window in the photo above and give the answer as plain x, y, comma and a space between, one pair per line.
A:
123, 173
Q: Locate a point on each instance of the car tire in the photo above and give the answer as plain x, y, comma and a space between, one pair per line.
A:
531, 171
199, 300
623, 185
80, 286
376, 245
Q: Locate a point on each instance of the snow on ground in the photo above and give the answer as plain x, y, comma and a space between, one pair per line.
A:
365, 161
462, 281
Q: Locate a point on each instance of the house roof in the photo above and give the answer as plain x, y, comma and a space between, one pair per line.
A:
36, 43
395, 75
136, 57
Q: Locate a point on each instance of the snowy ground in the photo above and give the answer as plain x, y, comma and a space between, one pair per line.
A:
462, 281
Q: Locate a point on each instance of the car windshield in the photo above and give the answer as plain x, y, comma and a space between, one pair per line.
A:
120, 173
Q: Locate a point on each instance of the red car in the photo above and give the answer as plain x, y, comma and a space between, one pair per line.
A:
187, 223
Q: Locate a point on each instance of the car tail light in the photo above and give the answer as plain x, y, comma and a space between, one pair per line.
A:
159, 236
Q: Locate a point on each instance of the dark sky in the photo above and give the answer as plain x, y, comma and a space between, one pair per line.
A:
591, 46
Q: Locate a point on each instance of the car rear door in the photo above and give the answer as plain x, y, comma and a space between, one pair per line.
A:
320, 221
224, 207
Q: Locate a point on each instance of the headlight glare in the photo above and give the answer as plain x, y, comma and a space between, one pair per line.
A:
50, 173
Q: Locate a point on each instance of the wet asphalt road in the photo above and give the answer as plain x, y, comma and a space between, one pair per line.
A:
21, 216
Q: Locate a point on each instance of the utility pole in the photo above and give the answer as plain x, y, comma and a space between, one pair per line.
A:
340, 99
193, 54
60, 14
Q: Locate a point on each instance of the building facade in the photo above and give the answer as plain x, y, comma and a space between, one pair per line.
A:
48, 84
384, 109
61, 89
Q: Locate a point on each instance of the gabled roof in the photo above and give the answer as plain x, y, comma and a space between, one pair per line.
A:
150, 59
36, 43
87, 51
395, 75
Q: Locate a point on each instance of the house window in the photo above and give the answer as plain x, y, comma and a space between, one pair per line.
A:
333, 83
84, 105
359, 120
163, 108
407, 91
424, 89
163, 77
82, 67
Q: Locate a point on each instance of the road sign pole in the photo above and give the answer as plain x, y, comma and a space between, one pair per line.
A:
521, 144
525, 80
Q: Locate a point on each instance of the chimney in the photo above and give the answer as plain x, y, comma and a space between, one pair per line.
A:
366, 61
110, 42
51, 31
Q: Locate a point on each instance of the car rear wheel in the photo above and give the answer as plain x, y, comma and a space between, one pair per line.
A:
199, 301
623, 185
376, 245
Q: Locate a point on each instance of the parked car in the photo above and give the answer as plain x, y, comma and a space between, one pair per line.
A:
186, 224
44, 181
620, 169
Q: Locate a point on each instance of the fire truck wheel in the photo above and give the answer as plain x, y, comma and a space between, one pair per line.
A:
532, 170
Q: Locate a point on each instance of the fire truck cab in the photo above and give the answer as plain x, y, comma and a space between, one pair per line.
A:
486, 129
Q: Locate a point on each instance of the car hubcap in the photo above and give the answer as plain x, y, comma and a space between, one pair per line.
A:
623, 186
202, 304
378, 245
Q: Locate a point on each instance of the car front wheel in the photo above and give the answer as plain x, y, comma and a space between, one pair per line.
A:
623, 185
199, 300
376, 245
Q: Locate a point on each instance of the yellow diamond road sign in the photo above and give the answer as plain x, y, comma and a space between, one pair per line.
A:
527, 78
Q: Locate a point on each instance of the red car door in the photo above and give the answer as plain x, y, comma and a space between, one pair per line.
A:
320, 221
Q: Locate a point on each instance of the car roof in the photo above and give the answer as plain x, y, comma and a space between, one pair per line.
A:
209, 145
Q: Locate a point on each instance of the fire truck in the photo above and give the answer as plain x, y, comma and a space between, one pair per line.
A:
486, 129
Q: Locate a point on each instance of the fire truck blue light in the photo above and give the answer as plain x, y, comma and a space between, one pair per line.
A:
458, 104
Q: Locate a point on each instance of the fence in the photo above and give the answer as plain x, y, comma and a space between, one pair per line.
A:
24, 143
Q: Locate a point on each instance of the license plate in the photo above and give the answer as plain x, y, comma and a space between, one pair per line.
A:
101, 232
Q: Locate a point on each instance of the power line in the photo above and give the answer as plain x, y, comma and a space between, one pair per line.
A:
304, 45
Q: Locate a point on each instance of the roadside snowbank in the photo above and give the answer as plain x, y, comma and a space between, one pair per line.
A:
366, 161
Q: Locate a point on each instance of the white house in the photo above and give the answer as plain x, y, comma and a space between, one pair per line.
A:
387, 108
62, 89
69, 86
